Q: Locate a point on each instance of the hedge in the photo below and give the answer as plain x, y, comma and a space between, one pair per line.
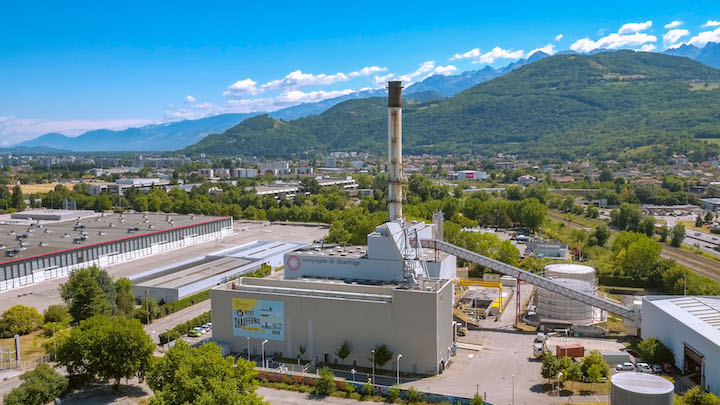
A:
185, 327
172, 307
622, 281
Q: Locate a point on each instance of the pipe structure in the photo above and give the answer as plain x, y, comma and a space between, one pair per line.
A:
395, 177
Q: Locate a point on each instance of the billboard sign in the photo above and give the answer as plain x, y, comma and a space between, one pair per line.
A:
258, 319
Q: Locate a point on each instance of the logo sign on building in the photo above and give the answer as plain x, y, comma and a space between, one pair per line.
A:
259, 319
470, 175
293, 263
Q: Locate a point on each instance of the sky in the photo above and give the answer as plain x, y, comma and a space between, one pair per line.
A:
70, 67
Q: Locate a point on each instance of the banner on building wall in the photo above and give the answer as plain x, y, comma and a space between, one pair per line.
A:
258, 319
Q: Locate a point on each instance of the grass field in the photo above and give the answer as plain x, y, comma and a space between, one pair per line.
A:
30, 346
715, 141
704, 86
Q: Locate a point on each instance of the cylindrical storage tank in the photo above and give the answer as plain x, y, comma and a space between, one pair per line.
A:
555, 306
640, 389
572, 271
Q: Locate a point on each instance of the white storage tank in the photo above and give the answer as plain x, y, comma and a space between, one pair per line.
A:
555, 306
640, 389
572, 271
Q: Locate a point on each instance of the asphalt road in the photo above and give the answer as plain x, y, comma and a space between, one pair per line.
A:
158, 326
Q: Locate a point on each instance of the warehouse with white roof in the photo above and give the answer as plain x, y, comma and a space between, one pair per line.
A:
690, 327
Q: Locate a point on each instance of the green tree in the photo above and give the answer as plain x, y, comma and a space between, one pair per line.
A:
550, 366
39, 386
202, 376
602, 234
125, 299
344, 350
573, 372
57, 313
83, 295
677, 236
647, 226
106, 349
595, 359
709, 217
17, 200
382, 355
696, 396
20, 320
533, 214
325, 385
595, 373
664, 233
654, 351
102, 203
149, 309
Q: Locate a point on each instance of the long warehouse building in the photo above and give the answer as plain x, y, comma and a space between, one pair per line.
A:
45, 244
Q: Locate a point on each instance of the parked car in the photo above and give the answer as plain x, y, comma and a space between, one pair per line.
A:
643, 368
196, 332
625, 367
207, 326
668, 368
657, 369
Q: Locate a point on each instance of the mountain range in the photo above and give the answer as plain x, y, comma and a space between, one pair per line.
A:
564, 106
178, 135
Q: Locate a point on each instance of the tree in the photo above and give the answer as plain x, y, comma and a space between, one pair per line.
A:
664, 232
106, 349
20, 320
202, 376
17, 200
149, 309
654, 351
677, 236
573, 372
102, 203
39, 386
344, 350
595, 359
698, 221
647, 226
382, 355
595, 373
602, 234
309, 185
550, 367
125, 299
696, 396
533, 214
57, 313
709, 217
325, 385
83, 294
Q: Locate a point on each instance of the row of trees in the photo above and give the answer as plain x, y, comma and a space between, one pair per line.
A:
593, 368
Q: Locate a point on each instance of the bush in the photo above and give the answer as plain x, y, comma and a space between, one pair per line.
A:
654, 351
349, 389
172, 307
173, 335
477, 400
326, 383
20, 320
368, 389
413, 396
393, 394
39, 386
57, 313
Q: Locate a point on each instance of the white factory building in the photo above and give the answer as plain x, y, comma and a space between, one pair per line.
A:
690, 327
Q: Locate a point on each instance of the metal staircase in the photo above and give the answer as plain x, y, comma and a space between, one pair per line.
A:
532, 278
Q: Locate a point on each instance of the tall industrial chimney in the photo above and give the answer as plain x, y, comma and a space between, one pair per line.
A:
395, 149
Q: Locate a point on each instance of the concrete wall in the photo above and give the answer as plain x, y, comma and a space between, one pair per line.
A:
416, 324
675, 334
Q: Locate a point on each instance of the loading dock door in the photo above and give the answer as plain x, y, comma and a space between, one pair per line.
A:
693, 365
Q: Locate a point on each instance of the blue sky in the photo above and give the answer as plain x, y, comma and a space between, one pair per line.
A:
74, 66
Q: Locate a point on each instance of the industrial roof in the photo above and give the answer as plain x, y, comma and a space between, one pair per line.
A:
189, 273
44, 237
642, 383
701, 314
259, 250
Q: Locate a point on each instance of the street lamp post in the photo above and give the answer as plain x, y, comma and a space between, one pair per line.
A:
248, 339
398, 368
513, 389
147, 307
373, 365
353, 374
167, 338
263, 352
560, 374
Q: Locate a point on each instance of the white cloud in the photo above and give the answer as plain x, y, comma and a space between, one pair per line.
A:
444, 70
499, 53
701, 39
612, 41
673, 24
14, 130
367, 71
711, 23
548, 49
647, 48
425, 70
631, 28
559, 37
189, 99
671, 37
242, 88
471, 54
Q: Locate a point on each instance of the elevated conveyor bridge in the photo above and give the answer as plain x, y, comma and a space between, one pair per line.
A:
532, 278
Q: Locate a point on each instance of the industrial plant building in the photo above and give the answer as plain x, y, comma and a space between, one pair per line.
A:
179, 280
44, 244
690, 327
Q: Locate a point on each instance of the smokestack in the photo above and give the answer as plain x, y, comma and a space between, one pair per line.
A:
395, 149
